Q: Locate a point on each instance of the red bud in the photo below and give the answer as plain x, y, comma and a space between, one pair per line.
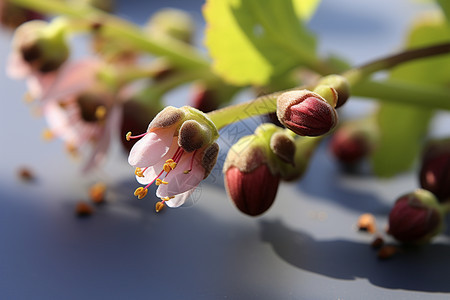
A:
435, 170
306, 113
253, 193
415, 217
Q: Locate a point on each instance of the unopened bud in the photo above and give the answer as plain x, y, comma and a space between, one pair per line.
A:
349, 146
340, 84
328, 93
416, 217
435, 169
306, 113
252, 192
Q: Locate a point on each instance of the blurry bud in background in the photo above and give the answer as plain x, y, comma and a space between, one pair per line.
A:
354, 140
38, 47
434, 173
416, 217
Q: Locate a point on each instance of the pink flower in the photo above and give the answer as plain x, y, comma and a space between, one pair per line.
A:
176, 153
78, 110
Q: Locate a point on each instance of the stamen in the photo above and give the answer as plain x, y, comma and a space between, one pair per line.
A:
160, 181
191, 164
72, 149
129, 136
169, 165
139, 172
47, 134
28, 98
100, 113
178, 154
159, 205
141, 192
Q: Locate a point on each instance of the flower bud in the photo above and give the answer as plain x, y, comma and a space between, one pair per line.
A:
416, 217
328, 93
252, 192
434, 173
306, 113
340, 84
41, 45
251, 176
353, 141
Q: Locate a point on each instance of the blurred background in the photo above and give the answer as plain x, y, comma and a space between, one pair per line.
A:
306, 246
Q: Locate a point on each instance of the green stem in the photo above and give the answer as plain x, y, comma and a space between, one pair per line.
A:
403, 92
395, 92
234, 113
178, 53
364, 71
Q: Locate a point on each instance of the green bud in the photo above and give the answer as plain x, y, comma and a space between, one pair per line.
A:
328, 93
340, 84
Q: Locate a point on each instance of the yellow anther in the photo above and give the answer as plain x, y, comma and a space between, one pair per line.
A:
100, 113
47, 134
140, 192
169, 165
72, 149
167, 198
160, 181
128, 135
159, 205
28, 98
138, 172
187, 171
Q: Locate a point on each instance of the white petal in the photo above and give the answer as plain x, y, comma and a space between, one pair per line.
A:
153, 171
179, 182
179, 199
16, 67
38, 83
150, 149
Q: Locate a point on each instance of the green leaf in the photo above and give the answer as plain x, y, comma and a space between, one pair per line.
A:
402, 127
305, 9
251, 41
445, 6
